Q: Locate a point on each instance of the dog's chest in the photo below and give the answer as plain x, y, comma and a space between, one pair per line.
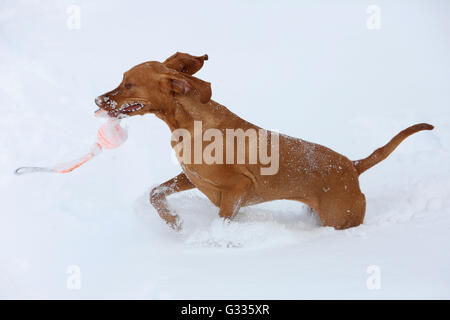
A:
205, 182
199, 177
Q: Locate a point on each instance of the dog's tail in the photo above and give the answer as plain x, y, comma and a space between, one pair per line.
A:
382, 153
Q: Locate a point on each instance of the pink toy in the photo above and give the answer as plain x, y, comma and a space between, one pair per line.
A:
110, 136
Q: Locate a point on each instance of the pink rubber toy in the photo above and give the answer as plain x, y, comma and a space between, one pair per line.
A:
109, 136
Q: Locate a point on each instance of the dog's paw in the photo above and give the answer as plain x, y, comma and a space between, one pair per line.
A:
175, 222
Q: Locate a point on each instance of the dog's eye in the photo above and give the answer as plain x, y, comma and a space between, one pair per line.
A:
128, 85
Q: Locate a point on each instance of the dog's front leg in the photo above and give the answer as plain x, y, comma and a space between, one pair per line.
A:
231, 200
158, 198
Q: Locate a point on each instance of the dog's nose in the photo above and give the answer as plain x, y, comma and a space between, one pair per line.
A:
99, 101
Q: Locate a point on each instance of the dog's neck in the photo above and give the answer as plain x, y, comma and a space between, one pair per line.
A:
184, 112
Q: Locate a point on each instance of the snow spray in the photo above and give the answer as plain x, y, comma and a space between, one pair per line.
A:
109, 136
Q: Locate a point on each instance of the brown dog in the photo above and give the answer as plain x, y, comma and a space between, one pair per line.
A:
307, 172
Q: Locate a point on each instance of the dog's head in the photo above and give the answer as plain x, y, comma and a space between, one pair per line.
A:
152, 87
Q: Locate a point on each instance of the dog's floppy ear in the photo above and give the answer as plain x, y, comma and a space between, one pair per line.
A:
188, 85
183, 62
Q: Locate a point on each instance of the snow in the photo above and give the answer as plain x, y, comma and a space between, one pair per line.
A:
311, 69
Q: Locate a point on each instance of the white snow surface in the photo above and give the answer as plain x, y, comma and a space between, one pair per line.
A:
311, 69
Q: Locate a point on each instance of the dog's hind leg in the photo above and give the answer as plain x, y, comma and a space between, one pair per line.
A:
232, 199
158, 198
342, 212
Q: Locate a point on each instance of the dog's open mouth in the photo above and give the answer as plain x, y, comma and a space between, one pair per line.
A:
130, 107
126, 109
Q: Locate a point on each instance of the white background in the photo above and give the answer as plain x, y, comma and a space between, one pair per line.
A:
309, 68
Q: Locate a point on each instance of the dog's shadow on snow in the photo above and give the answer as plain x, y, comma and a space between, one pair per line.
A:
276, 223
